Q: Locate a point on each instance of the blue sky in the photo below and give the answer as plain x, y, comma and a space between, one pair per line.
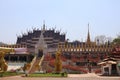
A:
71, 16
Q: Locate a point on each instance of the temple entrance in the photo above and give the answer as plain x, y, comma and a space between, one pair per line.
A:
114, 69
40, 53
106, 71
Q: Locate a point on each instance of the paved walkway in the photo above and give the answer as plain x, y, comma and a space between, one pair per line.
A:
89, 76
83, 75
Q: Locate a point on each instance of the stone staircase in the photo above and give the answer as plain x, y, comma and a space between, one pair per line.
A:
36, 64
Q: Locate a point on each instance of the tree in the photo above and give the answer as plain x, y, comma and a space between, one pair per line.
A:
116, 41
110, 39
100, 39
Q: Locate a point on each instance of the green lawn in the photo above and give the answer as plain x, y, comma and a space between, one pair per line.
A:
34, 74
47, 75
4, 74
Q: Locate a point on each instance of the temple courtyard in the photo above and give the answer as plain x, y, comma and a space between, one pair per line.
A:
89, 76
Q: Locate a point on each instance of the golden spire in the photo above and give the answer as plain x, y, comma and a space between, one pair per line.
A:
88, 36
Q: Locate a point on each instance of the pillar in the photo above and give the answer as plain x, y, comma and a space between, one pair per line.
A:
27, 59
102, 68
18, 58
110, 69
8, 58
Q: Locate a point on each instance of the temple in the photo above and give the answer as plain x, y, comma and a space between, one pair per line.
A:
85, 55
51, 37
76, 56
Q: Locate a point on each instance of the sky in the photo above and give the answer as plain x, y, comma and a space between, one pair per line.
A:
69, 16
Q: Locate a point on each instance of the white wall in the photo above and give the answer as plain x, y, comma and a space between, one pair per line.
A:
14, 65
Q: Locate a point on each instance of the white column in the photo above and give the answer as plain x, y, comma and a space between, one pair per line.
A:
102, 68
110, 69
118, 69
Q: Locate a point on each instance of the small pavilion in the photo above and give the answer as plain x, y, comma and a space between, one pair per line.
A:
111, 65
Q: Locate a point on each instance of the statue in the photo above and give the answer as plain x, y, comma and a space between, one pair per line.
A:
3, 64
26, 66
58, 63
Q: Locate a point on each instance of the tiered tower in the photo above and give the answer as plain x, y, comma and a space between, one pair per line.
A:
51, 38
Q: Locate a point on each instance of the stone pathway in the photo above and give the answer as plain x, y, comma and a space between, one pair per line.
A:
83, 75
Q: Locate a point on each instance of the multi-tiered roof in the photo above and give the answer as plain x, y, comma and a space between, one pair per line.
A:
51, 37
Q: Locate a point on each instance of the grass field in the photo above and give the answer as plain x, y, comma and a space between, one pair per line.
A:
4, 74
47, 75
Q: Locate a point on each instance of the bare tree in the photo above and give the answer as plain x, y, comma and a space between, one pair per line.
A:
101, 39
109, 39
